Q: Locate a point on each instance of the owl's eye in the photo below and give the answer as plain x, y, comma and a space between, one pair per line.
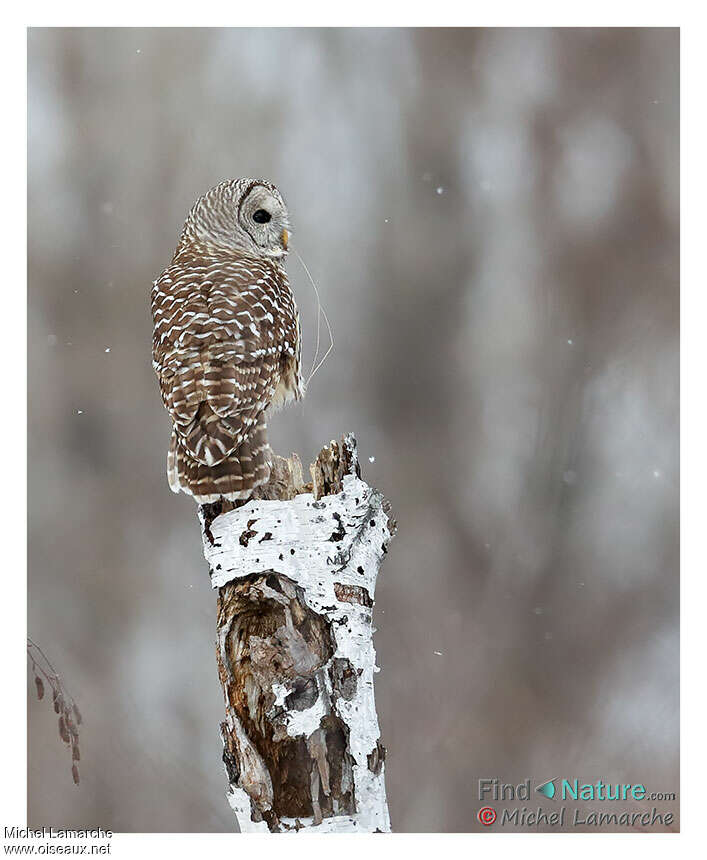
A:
260, 216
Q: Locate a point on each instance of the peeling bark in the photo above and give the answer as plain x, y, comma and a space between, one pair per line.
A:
296, 568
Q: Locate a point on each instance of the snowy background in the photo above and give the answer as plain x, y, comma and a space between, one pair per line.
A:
492, 219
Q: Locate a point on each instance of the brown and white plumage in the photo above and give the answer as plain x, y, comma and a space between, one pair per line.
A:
226, 343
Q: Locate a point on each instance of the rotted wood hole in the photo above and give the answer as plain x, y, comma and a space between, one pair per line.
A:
269, 636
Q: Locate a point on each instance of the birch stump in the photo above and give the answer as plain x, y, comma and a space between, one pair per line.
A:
295, 568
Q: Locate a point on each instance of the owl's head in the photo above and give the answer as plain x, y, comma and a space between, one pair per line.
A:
246, 216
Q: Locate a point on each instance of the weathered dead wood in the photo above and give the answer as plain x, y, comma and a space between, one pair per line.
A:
295, 569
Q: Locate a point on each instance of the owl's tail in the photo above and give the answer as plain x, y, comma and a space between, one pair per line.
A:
235, 478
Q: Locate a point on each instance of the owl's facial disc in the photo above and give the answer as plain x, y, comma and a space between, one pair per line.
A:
263, 216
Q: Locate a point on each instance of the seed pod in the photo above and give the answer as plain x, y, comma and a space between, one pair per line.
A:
62, 730
75, 774
75, 753
39, 684
71, 725
55, 699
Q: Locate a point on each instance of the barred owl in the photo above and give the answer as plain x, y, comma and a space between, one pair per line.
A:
226, 344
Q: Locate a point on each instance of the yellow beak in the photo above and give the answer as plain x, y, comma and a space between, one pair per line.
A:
285, 238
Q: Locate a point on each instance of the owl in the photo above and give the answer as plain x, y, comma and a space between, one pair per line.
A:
226, 344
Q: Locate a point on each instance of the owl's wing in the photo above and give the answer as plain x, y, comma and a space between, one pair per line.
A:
218, 348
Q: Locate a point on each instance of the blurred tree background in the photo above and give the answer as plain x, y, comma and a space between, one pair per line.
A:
492, 217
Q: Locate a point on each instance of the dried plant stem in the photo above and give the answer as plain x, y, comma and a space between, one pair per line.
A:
69, 716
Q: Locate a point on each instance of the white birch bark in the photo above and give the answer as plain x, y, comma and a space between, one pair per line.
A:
296, 578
